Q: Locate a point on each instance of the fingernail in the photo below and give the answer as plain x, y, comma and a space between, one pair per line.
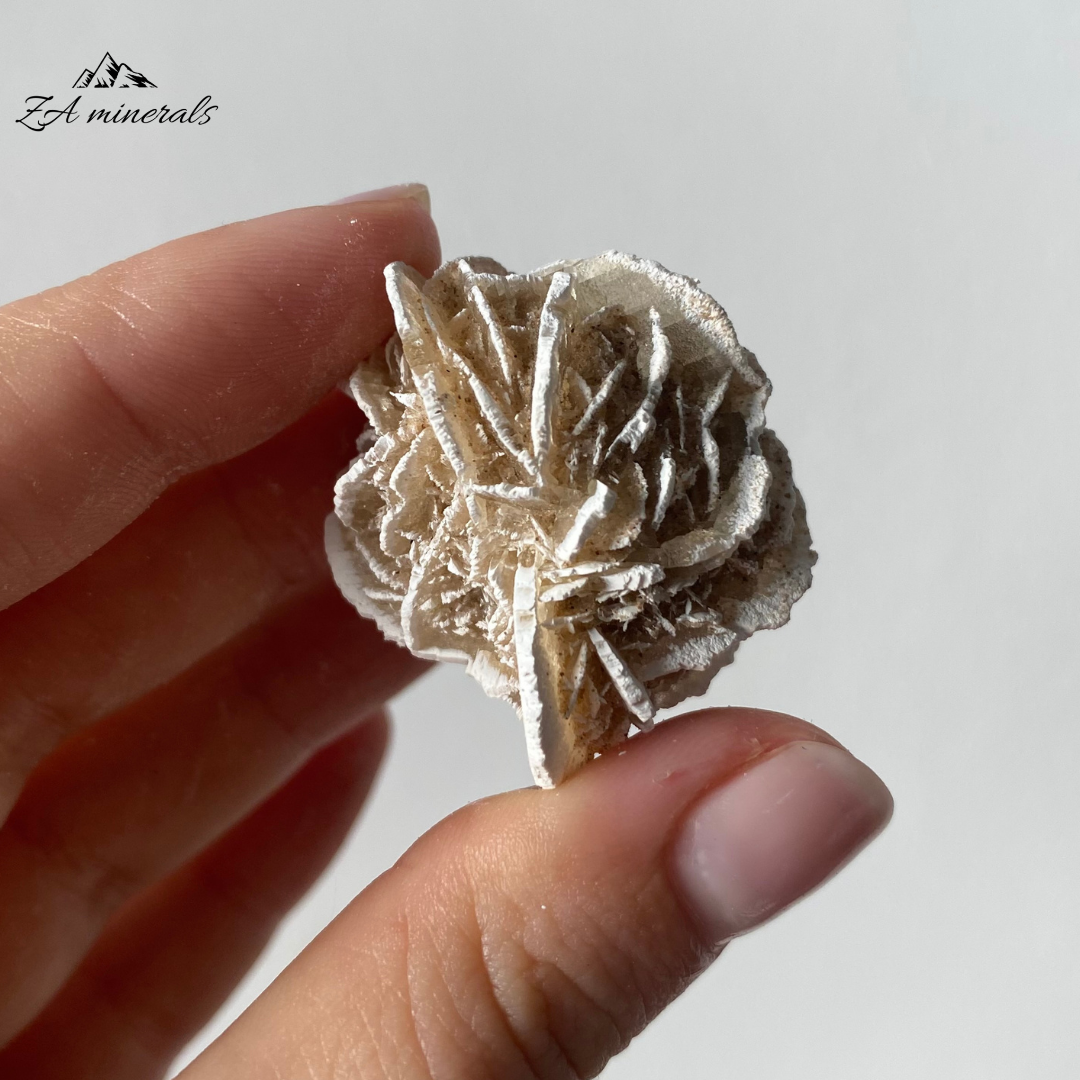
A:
418, 192
773, 832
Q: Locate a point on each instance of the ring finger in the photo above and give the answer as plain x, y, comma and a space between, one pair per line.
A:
129, 799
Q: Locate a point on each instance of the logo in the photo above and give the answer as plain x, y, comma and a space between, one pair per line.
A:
110, 73
41, 111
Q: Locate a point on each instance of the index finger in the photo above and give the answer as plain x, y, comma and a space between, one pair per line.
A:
118, 383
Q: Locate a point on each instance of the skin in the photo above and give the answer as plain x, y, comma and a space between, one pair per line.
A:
191, 716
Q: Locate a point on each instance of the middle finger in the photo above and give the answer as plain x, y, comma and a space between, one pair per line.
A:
213, 555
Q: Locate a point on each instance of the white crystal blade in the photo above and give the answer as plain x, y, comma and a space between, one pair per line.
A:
625, 681
546, 369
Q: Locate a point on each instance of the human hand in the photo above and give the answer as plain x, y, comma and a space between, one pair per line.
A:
190, 719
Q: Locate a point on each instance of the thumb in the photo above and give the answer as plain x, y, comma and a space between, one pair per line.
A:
533, 934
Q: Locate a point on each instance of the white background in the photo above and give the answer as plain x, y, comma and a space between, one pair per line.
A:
885, 197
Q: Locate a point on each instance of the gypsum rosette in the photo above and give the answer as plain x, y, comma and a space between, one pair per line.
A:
567, 484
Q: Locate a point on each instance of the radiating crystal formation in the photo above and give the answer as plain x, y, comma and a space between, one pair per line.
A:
568, 485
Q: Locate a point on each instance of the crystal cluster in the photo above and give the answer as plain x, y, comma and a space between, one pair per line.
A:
568, 485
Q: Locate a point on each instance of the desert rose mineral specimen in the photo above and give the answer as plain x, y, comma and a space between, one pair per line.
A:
568, 485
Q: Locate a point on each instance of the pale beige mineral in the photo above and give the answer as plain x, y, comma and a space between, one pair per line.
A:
568, 485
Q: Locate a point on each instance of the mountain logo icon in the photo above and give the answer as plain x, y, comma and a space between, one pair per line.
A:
111, 73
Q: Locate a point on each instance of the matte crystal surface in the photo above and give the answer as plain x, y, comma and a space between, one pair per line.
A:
568, 485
